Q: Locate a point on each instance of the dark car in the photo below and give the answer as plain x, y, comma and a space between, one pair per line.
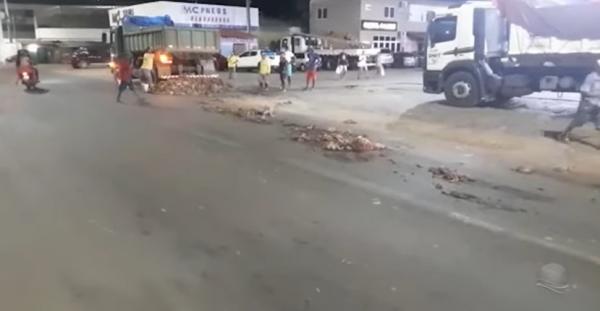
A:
83, 57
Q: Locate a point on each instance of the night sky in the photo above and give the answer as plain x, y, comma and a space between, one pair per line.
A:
295, 9
274, 8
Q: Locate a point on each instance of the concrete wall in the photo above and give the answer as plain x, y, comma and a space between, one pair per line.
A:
343, 17
72, 34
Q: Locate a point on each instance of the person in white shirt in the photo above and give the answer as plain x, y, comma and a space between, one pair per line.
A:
589, 105
290, 59
363, 67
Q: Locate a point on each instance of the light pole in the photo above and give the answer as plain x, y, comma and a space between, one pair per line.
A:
248, 17
7, 18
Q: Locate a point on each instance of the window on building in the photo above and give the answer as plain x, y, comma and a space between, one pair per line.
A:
387, 42
322, 13
388, 12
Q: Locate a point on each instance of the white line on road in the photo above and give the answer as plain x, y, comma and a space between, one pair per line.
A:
417, 202
217, 139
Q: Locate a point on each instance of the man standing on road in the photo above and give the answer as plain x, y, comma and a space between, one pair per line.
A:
342, 68
124, 77
380, 67
589, 106
232, 63
147, 69
290, 58
312, 65
363, 67
285, 72
264, 70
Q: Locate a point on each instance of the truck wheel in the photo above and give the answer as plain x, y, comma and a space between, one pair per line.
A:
462, 90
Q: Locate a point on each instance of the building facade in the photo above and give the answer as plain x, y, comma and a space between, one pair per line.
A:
396, 25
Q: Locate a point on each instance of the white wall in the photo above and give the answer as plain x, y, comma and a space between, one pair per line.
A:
343, 17
71, 34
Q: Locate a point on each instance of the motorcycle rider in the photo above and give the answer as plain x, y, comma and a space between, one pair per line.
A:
25, 65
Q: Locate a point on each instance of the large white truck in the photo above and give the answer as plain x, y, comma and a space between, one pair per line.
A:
328, 48
475, 56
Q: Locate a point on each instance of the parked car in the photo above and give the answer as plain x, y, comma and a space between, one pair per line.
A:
387, 58
249, 60
83, 57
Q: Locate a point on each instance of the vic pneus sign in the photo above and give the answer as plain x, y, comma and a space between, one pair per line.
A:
190, 14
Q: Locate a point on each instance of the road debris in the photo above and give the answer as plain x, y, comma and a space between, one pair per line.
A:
318, 290
332, 139
346, 261
163, 210
449, 175
484, 203
376, 201
553, 277
256, 115
191, 86
524, 170
350, 121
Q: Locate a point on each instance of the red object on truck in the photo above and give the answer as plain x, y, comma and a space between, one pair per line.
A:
563, 19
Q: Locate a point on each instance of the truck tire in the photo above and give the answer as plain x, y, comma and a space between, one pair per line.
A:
462, 90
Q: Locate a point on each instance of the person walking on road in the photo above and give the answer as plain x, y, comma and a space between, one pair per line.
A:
380, 67
285, 72
147, 69
124, 76
291, 59
232, 63
589, 105
264, 70
363, 67
312, 66
342, 68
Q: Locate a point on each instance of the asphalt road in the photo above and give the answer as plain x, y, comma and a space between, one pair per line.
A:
122, 207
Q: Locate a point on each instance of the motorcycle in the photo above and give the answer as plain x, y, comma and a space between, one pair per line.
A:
29, 79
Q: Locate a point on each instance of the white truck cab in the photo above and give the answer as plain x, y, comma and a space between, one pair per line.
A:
475, 56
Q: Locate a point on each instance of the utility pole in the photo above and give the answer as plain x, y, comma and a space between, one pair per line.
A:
2, 38
248, 17
7, 18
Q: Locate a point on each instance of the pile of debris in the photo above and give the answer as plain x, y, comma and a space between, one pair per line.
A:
191, 85
333, 140
449, 175
255, 115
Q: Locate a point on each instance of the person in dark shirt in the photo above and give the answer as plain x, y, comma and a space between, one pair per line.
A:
312, 65
124, 75
343, 64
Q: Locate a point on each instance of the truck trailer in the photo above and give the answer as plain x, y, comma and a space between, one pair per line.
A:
328, 48
475, 55
178, 50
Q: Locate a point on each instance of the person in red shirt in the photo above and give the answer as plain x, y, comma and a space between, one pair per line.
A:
124, 75
25, 66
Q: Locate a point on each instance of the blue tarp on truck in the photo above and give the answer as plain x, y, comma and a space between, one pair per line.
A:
148, 21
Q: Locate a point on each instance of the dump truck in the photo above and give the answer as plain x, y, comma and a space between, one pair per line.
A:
477, 53
178, 50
